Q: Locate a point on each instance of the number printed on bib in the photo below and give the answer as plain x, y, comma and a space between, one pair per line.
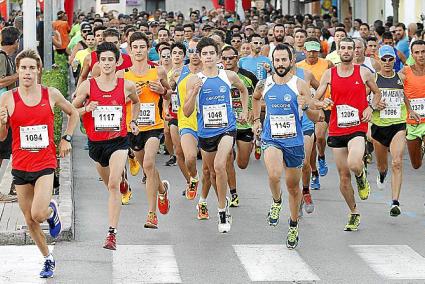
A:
347, 116
392, 98
418, 106
283, 126
215, 116
34, 137
174, 102
107, 118
147, 114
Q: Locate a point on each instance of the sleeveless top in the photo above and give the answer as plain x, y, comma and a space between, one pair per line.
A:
107, 121
349, 97
33, 145
183, 121
414, 90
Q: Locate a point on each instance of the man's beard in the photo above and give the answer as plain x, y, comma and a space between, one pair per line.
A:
279, 38
282, 74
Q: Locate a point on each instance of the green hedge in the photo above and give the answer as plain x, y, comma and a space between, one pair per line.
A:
58, 78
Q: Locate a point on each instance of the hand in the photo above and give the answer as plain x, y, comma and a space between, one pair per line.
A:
257, 128
301, 101
134, 128
64, 148
267, 67
3, 115
91, 106
197, 86
243, 117
168, 116
367, 114
324, 104
250, 117
156, 87
381, 105
321, 116
415, 116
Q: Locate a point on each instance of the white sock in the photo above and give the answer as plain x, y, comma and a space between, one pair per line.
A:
49, 257
201, 199
222, 210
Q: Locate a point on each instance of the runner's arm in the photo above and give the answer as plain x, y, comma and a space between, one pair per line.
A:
256, 105
85, 70
162, 76
81, 95
306, 101
4, 116
369, 79
193, 85
131, 92
324, 82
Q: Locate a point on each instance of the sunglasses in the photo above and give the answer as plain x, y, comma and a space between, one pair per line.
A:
393, 32
257, 42
225, 58
166, 56
236, 41
387, 59
191, 50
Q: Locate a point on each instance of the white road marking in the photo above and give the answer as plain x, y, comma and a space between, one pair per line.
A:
273, 263
393, 261
21, 264
145, 264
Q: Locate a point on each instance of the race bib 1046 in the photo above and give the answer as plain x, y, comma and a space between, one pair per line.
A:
215, 116
34, 138
107, 118
347, 116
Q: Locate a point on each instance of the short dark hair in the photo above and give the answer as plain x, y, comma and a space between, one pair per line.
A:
158, 46
401, 25
252, 36
164, 29
204, 42
191, 26
417, 42
99, 28
348, 39
179, 45
237, 35
278, 25
139, 36
229, 47
98, 20
107, 46
129, 29
371, 38
283, 46
380, 30
111, 33
302, 31
9, 35
340, 30
387, 35
309, 39
179, 28
366, 25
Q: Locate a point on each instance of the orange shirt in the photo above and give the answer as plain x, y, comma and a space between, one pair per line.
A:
63, 28
414, 89
150, 102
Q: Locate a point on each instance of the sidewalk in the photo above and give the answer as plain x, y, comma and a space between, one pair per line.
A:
12, 224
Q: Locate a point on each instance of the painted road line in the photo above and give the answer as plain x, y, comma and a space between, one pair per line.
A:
393, 261
145, 264
273, 263
21, 264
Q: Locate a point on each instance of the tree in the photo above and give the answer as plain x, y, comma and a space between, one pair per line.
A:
396, 5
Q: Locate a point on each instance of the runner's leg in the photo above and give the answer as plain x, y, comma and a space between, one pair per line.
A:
341, 156
116, 167
415, 152
396, 149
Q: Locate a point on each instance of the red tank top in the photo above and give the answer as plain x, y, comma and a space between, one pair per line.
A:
35, 126
349, 97
108, 120
126, 63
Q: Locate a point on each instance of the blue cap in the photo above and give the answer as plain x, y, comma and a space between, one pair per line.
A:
386, 50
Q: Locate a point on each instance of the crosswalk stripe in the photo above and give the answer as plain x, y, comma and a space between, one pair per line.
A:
145, 264
21, 264
273, 263
393, 261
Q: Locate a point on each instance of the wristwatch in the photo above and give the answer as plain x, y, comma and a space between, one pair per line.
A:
67, 138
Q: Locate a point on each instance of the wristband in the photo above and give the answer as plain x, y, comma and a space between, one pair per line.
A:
372, 107
135, 122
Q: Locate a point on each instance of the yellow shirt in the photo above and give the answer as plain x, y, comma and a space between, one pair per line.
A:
81, 54
334, 57
150, 102
190, 122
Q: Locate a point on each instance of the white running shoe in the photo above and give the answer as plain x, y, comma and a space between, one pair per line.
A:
381, 186
224, 219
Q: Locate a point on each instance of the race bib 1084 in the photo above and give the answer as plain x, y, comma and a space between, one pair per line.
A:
34, 138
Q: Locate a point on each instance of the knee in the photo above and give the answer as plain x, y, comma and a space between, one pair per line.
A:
243, 163
274, 177
148, 167
220, 167
114, 183
396, 164
355, 165
36, 217
293, 189
344, 179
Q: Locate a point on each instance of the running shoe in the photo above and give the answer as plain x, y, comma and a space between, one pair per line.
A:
125, 198
151, 221
308, 203
353, 222
315, 183
144, 179
274, 213
110, 242
6, 198
224, 219
171, 162
192, 188
234, 201
292, 237
395, 210
55, 225
163, 201
368, 158
257, 152
123, 186
134, 165
379, 184
323, 167
48, 269
202, 211
363, 186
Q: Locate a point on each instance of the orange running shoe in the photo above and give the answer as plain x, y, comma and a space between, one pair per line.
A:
110, 242
151, 221
257, 153
202, 211
192, 189
123, 186
163, 201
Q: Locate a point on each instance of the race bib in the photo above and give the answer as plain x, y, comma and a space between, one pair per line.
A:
347, 116
392, 98
107, 118
174, 103
418, 106
147, 114
34, 137
215, 116
283, 126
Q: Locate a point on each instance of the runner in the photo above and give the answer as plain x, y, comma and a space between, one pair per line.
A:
34, 150
348, 123
101, 103
389, 127
244, 134
151, 85
210, 90
284, 94
413, 78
